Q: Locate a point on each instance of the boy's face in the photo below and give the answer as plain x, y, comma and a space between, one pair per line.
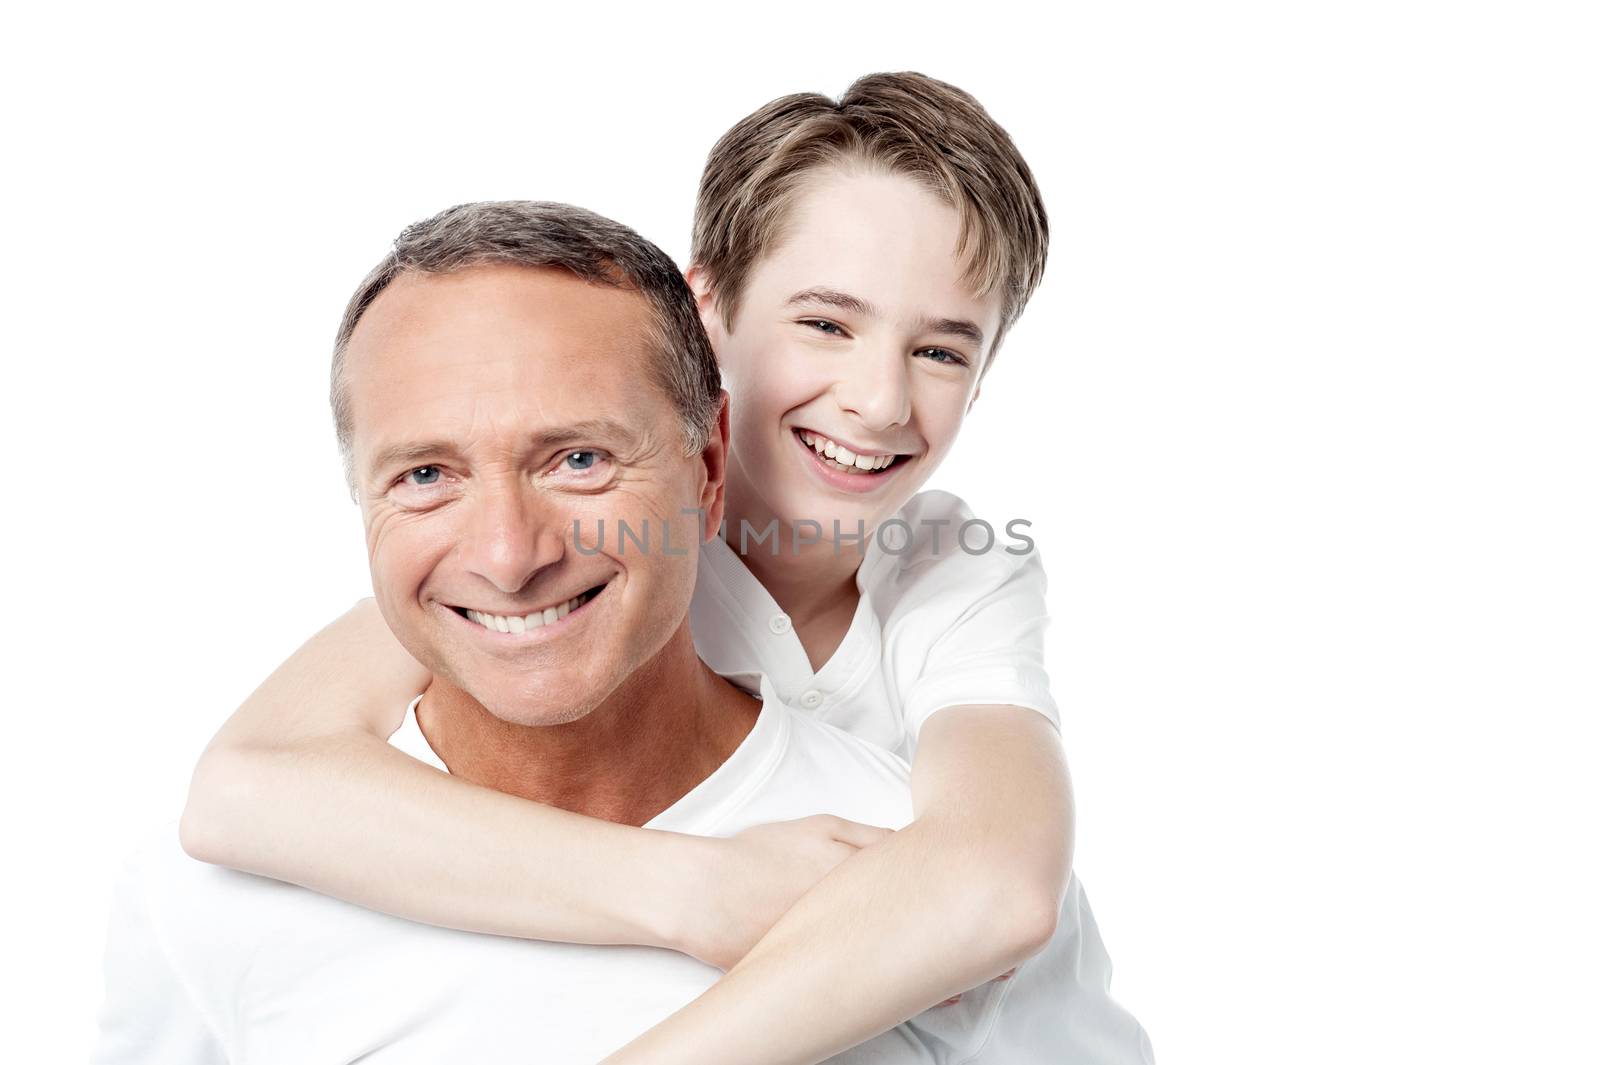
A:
856, 332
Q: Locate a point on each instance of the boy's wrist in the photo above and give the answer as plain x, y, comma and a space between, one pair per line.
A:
683, 900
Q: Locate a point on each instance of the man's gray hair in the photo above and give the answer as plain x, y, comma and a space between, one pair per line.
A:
537, 233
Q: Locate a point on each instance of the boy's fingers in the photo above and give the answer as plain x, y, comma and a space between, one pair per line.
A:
1008, 974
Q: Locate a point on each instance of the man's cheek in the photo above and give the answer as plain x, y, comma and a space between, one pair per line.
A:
629, 514
380, 520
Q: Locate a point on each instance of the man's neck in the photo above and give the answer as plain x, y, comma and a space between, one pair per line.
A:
669, 725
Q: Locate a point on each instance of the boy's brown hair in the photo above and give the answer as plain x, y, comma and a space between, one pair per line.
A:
907, 123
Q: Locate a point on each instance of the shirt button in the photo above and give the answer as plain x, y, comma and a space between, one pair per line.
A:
779, 623
811, 699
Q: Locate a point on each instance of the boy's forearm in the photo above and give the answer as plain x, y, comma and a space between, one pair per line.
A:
954, 899
350, 816
300, 784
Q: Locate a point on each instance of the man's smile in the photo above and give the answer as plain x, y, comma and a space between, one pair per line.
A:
536, 618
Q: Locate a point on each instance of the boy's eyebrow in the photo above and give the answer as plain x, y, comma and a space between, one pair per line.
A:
959, 327
956, 327
833, 298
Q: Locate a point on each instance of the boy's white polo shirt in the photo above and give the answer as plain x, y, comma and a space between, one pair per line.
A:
936, 626
209, 966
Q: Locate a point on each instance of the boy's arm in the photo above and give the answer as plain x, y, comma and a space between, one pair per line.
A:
302, 785
970, 888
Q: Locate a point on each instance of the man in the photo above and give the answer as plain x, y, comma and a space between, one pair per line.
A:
530, 371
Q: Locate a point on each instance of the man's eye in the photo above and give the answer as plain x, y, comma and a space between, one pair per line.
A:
425, 475
581, 461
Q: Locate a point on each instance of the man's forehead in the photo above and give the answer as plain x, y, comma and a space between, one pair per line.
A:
503, 350
497, 298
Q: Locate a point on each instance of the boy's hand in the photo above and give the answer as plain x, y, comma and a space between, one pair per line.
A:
758, 874
1008, 974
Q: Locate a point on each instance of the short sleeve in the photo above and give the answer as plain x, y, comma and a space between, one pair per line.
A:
148, 1016
1058, 1006
992, 652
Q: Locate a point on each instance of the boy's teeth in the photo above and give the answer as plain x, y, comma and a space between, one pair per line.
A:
844, 456
512, 623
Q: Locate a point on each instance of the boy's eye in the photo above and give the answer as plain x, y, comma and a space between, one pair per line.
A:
943, 355
822, 325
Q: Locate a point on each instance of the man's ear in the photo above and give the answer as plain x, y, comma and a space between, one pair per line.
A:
715, 457
705, 301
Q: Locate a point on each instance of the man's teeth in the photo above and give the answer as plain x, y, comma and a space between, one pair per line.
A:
528, 621
844, 457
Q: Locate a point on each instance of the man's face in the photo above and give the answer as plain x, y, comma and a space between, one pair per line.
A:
492, 409
857, 332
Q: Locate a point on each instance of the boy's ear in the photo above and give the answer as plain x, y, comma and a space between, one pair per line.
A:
976, 392
699, 279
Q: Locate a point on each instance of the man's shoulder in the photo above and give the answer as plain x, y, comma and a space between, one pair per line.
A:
210, 919
826, 770
158, 865
164, 872
848, 752
183, 913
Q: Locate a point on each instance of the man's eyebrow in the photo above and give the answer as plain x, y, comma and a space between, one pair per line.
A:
959, 327
587, 431
411, 453
833, 298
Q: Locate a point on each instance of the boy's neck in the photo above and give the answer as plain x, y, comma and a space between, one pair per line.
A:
809, 580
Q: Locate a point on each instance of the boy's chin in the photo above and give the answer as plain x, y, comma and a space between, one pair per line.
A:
852, 518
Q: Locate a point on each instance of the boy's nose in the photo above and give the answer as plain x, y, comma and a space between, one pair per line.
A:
877, 391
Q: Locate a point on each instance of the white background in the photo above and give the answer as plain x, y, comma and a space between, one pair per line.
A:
1304, 415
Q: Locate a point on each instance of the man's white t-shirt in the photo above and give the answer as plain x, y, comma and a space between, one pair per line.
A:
940, 623
207, 965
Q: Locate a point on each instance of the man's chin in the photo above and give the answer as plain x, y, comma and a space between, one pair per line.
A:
540, 715
532, 709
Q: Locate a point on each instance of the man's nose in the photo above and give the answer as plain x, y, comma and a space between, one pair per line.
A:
877, 388
511, 535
